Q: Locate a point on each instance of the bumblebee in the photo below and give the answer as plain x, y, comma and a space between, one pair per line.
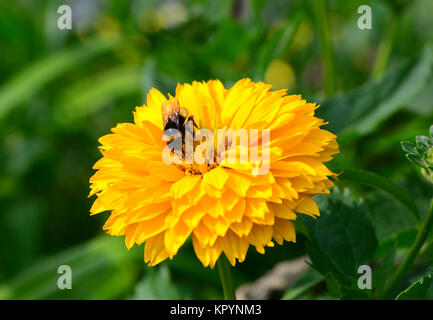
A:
175, 117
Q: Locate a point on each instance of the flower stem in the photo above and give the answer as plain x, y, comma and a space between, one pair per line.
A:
412, 254
325, 46
427, 251
226, 279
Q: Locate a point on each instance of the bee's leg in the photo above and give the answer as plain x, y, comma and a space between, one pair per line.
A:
193, 122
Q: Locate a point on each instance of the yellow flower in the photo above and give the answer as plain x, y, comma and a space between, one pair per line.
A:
224, 207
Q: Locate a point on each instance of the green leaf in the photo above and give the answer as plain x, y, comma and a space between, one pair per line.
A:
415, 159
423, 143
422, 104
334, 286
276, 44
308, 280
400, 239
342, 239
408, 146
374, 180
386, 267
157, 285
366, 107
101, 269
417, 290
27, 82
338, 289
93, 93
301, 228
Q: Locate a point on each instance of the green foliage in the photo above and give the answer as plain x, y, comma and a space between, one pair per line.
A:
421, 154
374, 180
385, 268
277, 44
157, 285
101, 269
25, 84
342, 239
90, 95
367, 107
417, 290
309, 279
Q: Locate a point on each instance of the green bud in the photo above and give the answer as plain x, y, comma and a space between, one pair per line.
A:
421, 153
415, 159
422, 143
428, 174
428, 171
408, 146
429, 157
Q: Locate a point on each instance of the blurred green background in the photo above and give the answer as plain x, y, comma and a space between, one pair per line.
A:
60, 90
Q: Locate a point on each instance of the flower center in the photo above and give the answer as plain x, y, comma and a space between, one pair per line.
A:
189, 147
